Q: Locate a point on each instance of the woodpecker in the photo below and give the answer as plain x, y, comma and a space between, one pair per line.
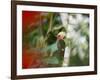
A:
61, 46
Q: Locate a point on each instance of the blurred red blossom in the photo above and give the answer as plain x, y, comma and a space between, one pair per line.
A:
29, 19
31, 59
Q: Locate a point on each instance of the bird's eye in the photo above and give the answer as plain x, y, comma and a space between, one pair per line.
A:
58, 36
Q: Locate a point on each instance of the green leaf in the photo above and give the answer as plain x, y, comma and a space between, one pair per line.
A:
52, 60
52, 48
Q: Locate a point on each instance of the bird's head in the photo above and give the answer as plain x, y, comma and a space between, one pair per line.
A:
61, 35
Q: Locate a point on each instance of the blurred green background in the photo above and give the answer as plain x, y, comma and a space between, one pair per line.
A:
41, 36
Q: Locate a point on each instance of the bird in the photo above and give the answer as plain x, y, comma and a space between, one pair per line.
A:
61, 46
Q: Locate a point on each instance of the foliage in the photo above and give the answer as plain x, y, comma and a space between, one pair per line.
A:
43, 37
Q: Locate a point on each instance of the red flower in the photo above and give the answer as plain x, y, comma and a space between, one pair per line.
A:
29, 19
31, 59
